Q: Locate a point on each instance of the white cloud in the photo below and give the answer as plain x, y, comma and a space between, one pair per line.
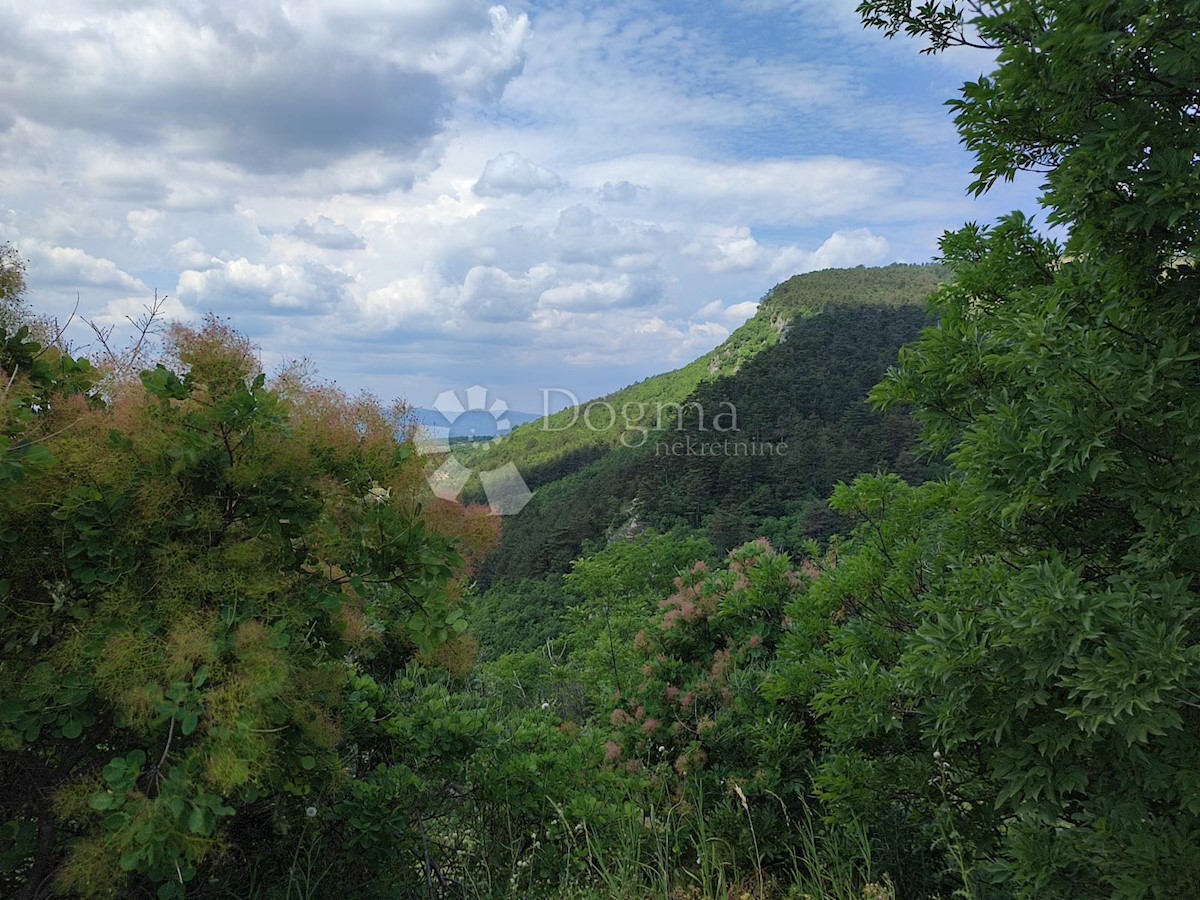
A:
622, 291
327, 234
190, 254
735, 313
842, 249
728, 250
263, 86
403, 300
410, 191
582, 235
491, 294
74, 268
306, 288
776, 191
621, 192
143, 223
510, 173
123, 311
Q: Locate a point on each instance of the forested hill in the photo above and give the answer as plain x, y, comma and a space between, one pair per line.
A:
772, 419
547, 450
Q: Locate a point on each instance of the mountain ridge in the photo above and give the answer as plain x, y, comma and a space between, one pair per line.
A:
554, 449
797, 375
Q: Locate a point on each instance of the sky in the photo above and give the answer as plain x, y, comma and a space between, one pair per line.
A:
423, 195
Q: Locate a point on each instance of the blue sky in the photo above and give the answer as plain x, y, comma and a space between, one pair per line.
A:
421, 195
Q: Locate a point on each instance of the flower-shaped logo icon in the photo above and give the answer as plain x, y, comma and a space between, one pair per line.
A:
504, 487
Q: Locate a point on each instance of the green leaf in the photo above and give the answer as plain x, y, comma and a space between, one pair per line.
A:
200, 821
188, 722
101, 800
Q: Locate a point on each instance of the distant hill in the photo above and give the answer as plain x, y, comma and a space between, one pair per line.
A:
564, 442
748, 439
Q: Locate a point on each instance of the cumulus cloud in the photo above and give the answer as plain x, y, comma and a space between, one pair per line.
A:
143, 223
582, 235
330, 176
304, 288
262, 86
621, 192
72, 267
735, 313
842, 249
622, 291
487, 297
850, 248
510, 173
728, 250
190, 254
327, 234
490, 294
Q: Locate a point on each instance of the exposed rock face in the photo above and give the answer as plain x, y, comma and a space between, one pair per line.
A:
781, 325
631, 528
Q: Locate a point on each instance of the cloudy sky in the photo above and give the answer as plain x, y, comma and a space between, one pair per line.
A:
427, 194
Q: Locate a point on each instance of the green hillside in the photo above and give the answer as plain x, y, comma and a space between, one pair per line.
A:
563, 443
795, 376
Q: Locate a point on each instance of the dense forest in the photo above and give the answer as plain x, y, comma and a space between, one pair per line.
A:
802, 426
944, 647
793, 388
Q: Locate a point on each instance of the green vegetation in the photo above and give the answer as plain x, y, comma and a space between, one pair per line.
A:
802, 426
551, 449
235, 659
201, 573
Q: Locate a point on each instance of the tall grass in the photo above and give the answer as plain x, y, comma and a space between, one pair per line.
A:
650, 855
